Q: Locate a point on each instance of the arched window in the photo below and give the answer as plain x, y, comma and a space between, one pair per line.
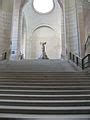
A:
43, 6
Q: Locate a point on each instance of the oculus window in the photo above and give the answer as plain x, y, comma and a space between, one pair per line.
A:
43, 6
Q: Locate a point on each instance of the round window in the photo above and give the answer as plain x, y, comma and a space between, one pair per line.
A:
43, 6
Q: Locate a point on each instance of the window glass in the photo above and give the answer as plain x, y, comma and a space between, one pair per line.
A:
43, 6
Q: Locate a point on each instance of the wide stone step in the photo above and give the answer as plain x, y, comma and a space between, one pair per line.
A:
46, 87
14, 76
46, 104
45, 93
44, 110
45, 84
44, 97
50, 74
44, 74
43, 79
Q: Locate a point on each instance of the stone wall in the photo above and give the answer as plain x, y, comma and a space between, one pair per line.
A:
77, 16
5, 26
81, 26
71, 27
87, 18
87, 25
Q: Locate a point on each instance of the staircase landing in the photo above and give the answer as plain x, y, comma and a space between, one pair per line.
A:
37, 66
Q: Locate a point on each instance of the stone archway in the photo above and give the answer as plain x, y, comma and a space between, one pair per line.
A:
45, 34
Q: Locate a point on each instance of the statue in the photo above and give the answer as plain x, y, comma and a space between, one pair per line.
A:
43, 56
21, 56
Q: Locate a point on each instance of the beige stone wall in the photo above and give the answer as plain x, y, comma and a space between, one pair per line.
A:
5, 26
71, 27
88, 32
87, 18
81, 26
88, 48
77, 16
83, 14
87, 25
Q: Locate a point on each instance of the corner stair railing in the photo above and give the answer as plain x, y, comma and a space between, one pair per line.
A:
86, 61
81, 62
87, 42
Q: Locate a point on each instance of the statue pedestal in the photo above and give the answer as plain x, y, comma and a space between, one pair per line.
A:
44, 56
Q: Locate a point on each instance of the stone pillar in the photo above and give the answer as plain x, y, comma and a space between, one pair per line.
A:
15, 30
63, 31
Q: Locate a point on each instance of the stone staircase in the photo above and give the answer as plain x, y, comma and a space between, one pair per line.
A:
27, 94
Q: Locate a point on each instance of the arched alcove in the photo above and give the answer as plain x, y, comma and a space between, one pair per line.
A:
48, 35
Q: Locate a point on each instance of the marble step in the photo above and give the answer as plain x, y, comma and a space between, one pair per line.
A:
45, 87
45, 84
46, 74
42, 103
17, 97
34, 76
44, 97
44, 81
45, 93
45, 117
44, 110
49, 73
40, 75
12, 81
